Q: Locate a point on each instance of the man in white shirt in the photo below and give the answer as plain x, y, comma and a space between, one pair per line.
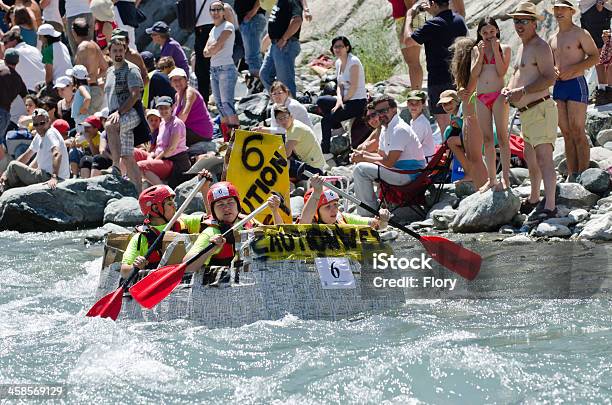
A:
30, 66
398, 148
51, 158
420, 124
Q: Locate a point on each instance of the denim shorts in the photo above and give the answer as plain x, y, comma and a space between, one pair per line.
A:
223, 82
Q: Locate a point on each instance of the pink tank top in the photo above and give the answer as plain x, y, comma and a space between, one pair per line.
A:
198, 119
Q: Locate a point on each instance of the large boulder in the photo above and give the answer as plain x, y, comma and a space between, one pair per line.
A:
125, 212
562, 166
598, 228
595, 180
551, 230
597, 121
183, 190
482, 212
604, 136
252, 109
74, 204
573, 195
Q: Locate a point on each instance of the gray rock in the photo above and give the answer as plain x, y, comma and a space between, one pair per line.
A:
597, 121
125, 211
578, 215
562, 166
574, 195
518, 175
183, 190
427, 223
600, 154
550, 230
517, 240
605, 164
98, 234
608, 145
595, 180
443, 218
518, 220
507, 230
564, 221
605, 204
442, 205
604, 136
74, 204
598, 228
465, 189
483, 212
559, 152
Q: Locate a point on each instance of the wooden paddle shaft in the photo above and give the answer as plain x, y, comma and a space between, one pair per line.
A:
365, 207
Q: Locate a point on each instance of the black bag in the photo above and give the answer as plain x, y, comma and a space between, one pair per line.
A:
186, 14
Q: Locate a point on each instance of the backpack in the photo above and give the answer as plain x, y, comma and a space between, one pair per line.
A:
186, 14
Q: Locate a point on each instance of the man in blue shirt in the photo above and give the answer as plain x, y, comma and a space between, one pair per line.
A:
438, 34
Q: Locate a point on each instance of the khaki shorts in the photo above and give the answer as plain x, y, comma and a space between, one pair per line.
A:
417, 22
539, 124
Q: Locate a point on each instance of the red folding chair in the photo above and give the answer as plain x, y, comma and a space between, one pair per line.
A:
412, 195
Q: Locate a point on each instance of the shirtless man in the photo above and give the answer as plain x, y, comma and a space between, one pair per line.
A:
132, 55
534, 73
574, 51
89, 55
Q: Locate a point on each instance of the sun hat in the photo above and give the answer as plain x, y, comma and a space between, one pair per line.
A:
526, 9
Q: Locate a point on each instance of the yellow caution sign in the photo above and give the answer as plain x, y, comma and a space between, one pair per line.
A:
303, 242
258, 166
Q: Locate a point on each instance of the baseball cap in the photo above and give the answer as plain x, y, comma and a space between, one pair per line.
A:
62, 82
153, 111
417, 95
93, 121
148, 59
159, 27
62, 126
118, 32
11, 56
80, 72
164, 100
177, 72
103, 113
48, 30
447, 96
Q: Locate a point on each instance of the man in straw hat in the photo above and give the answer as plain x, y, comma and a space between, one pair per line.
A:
534, 73
574, 51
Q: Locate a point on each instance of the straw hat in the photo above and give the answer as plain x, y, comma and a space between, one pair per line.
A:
528, 10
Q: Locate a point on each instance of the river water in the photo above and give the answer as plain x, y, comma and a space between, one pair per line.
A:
428, 351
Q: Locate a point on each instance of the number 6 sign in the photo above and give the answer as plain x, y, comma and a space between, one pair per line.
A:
335, 272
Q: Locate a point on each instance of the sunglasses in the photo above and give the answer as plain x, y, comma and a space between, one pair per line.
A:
216, 9
371, 116
522, 21
39, 124
382, 111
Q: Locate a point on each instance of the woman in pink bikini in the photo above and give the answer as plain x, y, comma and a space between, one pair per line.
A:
490, 61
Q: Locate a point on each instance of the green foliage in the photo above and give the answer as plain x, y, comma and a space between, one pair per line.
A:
371, 45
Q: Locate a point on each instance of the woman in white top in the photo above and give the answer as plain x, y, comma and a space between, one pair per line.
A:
281, 96
351, 97
223, 73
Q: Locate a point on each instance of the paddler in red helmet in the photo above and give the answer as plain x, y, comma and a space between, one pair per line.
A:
158, 206
321, 207
224, 202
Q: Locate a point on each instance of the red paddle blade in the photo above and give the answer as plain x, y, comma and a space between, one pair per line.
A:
152, 289
108, 306
454, 257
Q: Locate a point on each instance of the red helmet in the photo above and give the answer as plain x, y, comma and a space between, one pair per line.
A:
327, 196
220, 191
154, 196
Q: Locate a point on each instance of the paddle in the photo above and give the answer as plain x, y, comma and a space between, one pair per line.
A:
152, 289
109, 306
446, 252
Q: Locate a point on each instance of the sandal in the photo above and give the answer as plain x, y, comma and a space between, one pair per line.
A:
541, 215
527, 206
